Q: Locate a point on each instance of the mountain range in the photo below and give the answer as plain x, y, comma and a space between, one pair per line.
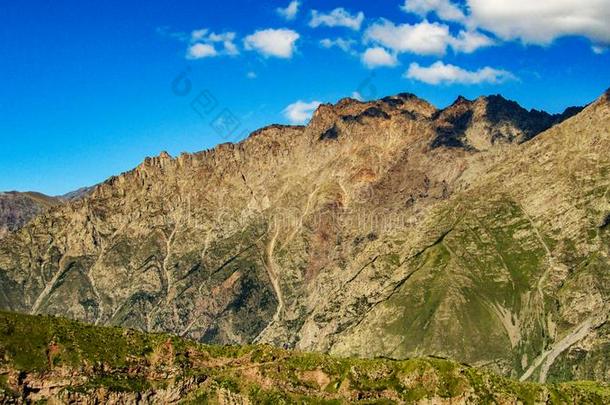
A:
390, 228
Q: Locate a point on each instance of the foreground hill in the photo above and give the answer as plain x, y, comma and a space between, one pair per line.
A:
479, 232
42, 358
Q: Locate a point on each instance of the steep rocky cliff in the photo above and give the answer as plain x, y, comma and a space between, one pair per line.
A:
390, 228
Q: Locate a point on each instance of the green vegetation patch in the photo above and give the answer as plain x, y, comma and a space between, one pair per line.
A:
125, 361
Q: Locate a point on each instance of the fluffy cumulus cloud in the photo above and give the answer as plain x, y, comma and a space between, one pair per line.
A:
203, 44
440, 73
444, 9
300, 112
532, 22
540, 22
424, 38
226, 40
200, 51
470, 41
339, 17
290, 12
278, 43
378, 57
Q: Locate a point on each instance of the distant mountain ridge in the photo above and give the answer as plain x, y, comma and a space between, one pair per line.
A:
77, 194
18, 208
385, 228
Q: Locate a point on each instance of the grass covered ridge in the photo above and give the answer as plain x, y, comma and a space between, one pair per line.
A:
40, 351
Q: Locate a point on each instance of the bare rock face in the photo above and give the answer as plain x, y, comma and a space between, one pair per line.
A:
386, 228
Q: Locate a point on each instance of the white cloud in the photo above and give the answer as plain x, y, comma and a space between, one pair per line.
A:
439, 73
470, 41
356, 95
200, 51
378, 57
346, 45
203, 42
279, 43
251, 75
290, 12
444, 9
540, 22
339, 17
227, 40
198, 35
530, 21
424, 38
300, 112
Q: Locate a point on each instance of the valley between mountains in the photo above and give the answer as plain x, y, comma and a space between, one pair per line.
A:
479, 232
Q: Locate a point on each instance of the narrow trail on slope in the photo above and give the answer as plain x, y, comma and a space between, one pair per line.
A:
273, 276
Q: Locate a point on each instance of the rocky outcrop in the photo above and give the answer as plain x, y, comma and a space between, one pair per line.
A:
386, 228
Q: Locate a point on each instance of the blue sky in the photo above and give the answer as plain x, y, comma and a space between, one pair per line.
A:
88, 89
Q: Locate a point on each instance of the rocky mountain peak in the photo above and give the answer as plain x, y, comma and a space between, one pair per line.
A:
164, 155
491, 120
348, 101
473, 125
400, 104
461, 100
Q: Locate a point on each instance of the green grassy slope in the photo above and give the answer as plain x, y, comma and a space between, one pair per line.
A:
44, 357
